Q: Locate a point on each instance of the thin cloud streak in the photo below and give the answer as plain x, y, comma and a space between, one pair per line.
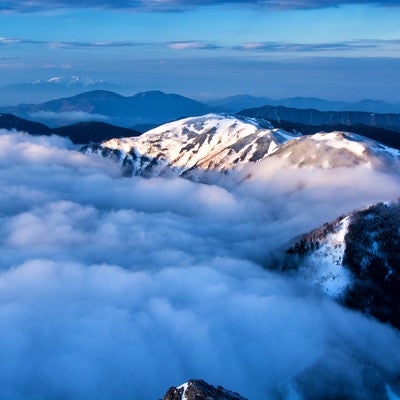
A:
310, 47
26, 6
189, 45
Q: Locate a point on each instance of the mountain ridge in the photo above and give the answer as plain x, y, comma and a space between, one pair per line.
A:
314, 117
355, 259
80, 133
241, 102
141, 108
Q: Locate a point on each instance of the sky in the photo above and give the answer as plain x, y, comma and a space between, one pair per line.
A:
335, 49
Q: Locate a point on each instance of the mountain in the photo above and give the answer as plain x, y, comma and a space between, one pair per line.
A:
356, 259
197, 148
336, 150
314, 117
241, 102
194, 147
373, 106
81, 133
153, 107
56, 86
384, 136
197, 389
92, 131
11, 122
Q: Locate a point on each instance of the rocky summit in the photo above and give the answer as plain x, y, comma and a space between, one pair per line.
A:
197, 389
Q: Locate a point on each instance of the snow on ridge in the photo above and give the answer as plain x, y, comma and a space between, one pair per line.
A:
184, 387
341, 141
192, 146
216, 142
324, 267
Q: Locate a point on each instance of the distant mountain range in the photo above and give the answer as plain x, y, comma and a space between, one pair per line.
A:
143, 108
314, 117
146, 110
238, 103
80, 133
47, 89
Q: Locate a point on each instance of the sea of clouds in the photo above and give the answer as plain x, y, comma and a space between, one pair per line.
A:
118, 288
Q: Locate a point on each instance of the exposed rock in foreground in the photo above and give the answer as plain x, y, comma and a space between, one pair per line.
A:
200, 390
356, 259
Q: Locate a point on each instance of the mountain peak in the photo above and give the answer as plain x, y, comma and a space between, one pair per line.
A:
150, 93
97, 94
197, 389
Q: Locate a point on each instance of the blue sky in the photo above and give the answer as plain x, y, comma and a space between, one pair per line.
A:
334, 49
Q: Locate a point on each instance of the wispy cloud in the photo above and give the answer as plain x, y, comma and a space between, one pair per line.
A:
190, 45
260, 46
22, 6
311, 47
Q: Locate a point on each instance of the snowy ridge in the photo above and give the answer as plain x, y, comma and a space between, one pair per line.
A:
191, 146
356, 260
336, 149
198, 147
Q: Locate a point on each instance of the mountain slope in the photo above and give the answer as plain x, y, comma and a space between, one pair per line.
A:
384, 136
314, 117
193, 146
10, 122
81, 133
335, 150
356, 259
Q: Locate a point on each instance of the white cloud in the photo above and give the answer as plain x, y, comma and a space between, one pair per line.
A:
115, 287
67, 116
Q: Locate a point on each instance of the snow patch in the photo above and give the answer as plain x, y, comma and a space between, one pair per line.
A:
184, 387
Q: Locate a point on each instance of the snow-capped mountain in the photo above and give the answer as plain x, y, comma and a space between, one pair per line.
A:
356, 260
336, 149
196, 389
192, 147
198, 146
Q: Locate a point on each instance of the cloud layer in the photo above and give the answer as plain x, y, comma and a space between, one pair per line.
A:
117, 287
179, 5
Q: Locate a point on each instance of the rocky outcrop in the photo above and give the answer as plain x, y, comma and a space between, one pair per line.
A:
200, 390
